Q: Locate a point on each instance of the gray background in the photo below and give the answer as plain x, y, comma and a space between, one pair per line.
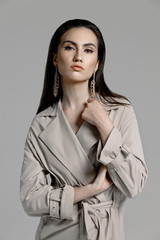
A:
131, 30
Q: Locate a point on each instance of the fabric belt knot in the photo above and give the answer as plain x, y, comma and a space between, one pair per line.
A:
94, 220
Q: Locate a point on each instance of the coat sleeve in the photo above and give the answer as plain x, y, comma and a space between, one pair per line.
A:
37, 197
123, 155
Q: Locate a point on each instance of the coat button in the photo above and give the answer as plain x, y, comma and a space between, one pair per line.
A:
54, 210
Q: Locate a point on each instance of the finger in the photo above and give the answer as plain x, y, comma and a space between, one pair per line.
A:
90, 99
103, 170
103, 167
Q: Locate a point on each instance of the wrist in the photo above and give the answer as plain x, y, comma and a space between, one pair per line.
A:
105, 127
105, 132
94, 188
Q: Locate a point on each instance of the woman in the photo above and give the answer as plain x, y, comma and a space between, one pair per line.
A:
86, 138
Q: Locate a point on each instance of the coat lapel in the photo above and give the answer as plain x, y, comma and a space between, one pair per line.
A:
64, 144
69, 148
87, 136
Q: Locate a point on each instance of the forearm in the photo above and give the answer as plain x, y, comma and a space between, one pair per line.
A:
101, 183
123, 157
104, 131
84, 192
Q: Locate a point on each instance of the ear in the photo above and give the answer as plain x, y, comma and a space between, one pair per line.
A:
96, 68
55, 59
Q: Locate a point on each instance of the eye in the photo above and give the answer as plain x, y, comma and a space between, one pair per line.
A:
88, 50
69, 48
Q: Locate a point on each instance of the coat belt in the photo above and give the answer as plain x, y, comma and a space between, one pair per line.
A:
95, 220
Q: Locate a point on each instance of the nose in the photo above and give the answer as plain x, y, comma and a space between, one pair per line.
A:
78, 56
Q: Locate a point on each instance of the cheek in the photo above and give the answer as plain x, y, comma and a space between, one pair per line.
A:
62, 63
92, 64
92, 60
61, 59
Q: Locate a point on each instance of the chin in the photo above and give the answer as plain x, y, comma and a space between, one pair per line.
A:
75, 80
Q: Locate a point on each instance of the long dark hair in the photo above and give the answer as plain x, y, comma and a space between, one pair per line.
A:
106, 95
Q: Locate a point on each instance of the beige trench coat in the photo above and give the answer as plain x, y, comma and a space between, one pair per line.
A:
53, 149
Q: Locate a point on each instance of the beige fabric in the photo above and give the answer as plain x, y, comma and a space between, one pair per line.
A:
52, 149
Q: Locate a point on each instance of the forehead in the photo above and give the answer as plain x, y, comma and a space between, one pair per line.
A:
80, 35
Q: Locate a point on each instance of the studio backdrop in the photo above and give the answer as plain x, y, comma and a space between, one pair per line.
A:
131, 31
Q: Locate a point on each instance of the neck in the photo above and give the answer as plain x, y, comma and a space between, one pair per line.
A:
75, 95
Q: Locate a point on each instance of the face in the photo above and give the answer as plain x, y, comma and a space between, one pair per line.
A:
77, 55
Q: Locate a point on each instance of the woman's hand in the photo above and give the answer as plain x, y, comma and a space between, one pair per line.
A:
96, 114
102, 181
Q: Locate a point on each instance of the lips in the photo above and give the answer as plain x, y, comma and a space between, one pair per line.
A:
77, 67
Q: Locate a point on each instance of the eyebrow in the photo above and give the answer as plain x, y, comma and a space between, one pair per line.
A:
86, 44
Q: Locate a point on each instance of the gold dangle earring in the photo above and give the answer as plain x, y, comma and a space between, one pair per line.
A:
92, 88
56, 83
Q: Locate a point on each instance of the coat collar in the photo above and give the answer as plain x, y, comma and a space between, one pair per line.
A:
52, 110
